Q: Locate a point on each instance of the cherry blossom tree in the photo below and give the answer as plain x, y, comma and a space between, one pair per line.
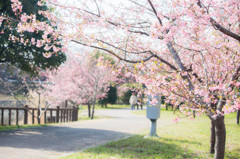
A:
186, 50
82, 80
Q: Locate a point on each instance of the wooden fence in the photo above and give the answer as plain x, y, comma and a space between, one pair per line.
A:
56, 115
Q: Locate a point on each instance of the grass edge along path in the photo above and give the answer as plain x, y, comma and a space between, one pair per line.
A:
185, 139
16, 127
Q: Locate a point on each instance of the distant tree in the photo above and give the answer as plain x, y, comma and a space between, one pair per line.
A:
83, 81
126, 96
111, 97
106, 56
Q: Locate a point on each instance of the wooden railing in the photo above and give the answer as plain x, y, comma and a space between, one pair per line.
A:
57, 115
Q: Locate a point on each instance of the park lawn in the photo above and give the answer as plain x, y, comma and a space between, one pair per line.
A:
185, 139
109, 106
83, 111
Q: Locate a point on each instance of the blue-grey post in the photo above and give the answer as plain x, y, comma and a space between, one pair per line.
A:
153, 113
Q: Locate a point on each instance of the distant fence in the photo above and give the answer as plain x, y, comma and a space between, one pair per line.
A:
26, 115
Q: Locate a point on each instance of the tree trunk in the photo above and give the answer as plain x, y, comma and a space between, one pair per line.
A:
89, 110
238, 116
102, 105
166, 107
220, 137
94, 98
93, 110
213, 137
105, 105
194, 113
39, 108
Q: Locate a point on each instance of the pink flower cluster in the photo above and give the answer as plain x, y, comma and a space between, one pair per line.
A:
16, 6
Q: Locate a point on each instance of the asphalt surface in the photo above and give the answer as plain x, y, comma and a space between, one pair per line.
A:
63, 139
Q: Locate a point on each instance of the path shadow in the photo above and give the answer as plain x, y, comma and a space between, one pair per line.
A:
55, 138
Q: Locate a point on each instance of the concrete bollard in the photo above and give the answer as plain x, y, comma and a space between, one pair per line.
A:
153, 113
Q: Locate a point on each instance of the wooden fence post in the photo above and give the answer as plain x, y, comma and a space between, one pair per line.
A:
57, 114
66, 103
17, 117
2, 121
26, 114
73, 114
9, 116
61, 115
70, 114
67, 115
45, 117
76, 113
33, 116
51, 116
38, 116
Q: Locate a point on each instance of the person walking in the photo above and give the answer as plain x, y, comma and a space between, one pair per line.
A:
133, 100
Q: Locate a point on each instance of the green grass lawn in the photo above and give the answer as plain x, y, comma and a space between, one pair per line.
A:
185, 139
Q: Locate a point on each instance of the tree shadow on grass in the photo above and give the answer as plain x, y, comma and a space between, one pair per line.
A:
182, 141
141, 148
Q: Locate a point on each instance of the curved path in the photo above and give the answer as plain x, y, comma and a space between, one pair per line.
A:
62, 139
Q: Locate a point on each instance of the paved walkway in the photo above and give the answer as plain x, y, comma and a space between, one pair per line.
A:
62, 139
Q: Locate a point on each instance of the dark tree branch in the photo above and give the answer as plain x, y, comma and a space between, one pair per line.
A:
1, 52
164, 61
235, 76
219, 26
139, 32
155, 12
114, 54
179, 63
131, 61
147, 8
97, 8
140, 52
